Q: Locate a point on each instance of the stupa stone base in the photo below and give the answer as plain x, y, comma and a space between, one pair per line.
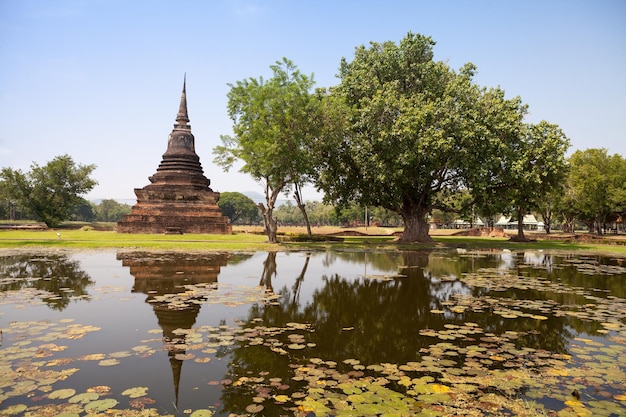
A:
164, 208
174, 218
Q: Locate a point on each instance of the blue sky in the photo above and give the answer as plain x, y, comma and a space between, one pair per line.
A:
100, 80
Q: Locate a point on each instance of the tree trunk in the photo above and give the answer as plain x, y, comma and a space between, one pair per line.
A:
598, 224
298, 284
297, 195
269, 270
520, 224
547, 219
270, 223
415, 227
568, 223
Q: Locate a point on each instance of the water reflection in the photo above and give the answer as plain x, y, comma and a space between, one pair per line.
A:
56, 279
379, 320
382, 319
159, 274
272, 313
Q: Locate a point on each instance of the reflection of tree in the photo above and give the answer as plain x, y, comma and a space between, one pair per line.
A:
599, 274
384, 261
57, 278
380, 320
296, 286
159, 274
269, 270
258, 359
370, 319
577, 281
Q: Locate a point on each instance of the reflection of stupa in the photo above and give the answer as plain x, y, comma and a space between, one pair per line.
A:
160, 274
179, 199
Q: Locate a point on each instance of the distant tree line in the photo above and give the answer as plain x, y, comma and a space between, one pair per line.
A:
107, 210
592, 195
241, 210
84, 211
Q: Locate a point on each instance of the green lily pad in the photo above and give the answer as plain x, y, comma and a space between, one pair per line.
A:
202, 413
62, 394
101, 405
108, 362
14, 409
135, 392
84, 398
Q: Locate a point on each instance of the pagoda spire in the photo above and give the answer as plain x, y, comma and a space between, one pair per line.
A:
182, 118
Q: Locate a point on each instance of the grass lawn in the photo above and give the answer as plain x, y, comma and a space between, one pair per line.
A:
252, 239
94, 239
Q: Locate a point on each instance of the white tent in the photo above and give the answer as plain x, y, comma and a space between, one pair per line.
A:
503, 222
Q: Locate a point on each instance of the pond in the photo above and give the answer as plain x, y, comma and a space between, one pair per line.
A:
438, 332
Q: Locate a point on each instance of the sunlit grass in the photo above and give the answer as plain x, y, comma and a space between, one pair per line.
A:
91, 239
505, 243
293, 238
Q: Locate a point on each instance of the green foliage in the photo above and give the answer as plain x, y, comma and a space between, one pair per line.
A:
535, 166
10, 208
326, 214
239, 208
596, 186
51, 192
84, 212
109, 210
274, 121
402, 128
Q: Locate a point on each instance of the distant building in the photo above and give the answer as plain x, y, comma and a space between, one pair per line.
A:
464, 224
530, 223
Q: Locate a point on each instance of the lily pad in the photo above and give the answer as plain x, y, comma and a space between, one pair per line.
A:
202, 413
14, 409
101, 405
135, 392
84, 398
108, 362
254, 408
62, 394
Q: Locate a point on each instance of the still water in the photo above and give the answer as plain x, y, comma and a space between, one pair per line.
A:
440, 332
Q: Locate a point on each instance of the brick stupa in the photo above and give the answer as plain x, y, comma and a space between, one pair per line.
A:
179, 199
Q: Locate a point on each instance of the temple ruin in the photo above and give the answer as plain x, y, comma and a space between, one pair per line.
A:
178, 198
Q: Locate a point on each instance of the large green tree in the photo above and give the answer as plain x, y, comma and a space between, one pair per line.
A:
239, 208
50, 192
405, 128
274, 122
596, 185
535, 167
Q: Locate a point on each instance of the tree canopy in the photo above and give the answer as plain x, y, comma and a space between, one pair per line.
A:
239, 208
411, 130
533, 168
273, 124
595, 187
51, 192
